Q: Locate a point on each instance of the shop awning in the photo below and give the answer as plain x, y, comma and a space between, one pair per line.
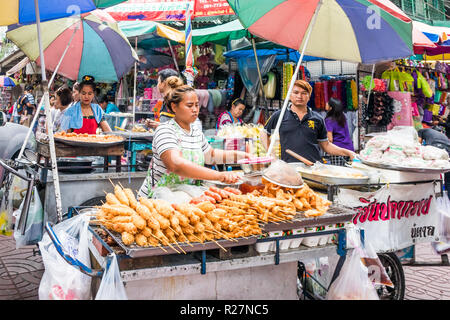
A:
151, 34
439, 36
268, 48
220, 34
22, 64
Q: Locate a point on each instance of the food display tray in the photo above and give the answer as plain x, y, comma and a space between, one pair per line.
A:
134, 135
283, 185
88, 144
134, 251
324, 180
335, 214
406, 169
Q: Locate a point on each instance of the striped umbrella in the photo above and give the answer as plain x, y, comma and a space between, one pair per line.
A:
98, 47
7, 82
189, 71
365, 31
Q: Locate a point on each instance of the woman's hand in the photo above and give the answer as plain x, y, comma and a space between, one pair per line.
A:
152, 123
352, 155
229, 177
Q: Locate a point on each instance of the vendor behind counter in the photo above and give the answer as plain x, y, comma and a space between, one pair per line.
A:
85, 116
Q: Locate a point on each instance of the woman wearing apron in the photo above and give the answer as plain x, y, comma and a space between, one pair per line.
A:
180, 149
232, 115
85, 116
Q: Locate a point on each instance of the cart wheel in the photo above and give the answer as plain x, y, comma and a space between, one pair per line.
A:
97, 201
395, 272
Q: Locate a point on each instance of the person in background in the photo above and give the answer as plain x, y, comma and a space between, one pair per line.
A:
337, 130
160, 110
180, 150
302, 130
232, 115
63, 99
85, 116
107, 105
23, 109
431, 137
75, 93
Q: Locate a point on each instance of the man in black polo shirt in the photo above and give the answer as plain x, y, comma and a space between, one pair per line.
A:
302, 130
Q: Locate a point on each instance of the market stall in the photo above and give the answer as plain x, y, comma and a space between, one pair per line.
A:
222, 243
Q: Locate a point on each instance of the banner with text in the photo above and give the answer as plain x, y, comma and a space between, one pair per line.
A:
395, 216
164, 10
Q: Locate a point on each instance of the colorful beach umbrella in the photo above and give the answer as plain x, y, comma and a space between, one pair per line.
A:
364, 31
7, 82
99, 48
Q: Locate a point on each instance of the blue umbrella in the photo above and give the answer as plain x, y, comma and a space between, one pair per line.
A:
6, 82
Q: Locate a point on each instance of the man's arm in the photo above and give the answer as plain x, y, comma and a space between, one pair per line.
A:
332, 149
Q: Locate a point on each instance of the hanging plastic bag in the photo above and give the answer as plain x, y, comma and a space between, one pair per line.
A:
62, 281
34, 226
353, 283
111, 287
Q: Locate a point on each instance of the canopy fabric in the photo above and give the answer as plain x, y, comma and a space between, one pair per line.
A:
102, 4
150, 29
98, 47
23, 12
268, 48
22, 64
365, 31
437, 35
220, 34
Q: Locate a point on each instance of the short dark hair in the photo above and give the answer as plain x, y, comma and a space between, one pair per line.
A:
235, 102
65, 95
28, 87
103, 98
166, 73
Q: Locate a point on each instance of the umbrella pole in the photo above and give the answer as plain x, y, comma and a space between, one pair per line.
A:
173, 56
261, 85
135, 80
294, 77
55, 175
36, 115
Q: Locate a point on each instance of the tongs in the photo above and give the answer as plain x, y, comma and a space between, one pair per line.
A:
299, 157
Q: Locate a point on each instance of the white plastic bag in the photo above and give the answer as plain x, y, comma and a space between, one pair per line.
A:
443, 207
111, 287
62, 281
34, 226
353, 282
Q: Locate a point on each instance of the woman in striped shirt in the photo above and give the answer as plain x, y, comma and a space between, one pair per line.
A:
180, 149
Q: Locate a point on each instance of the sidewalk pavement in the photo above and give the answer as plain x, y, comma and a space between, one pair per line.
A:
21, 273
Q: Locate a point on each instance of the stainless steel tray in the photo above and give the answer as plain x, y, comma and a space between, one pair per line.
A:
88, 144
324, 180
134, 251
335, 214
134, 135
283, 185
406, 169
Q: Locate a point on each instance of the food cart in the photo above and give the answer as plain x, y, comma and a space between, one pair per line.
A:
264, 265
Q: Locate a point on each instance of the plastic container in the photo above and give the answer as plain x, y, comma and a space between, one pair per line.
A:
296, 242
323, 239
312, 241
284, 244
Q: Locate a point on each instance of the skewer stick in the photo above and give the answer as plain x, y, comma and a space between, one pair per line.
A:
112, 182
176, 243
121, 185
162, 248
219, 245
173, 231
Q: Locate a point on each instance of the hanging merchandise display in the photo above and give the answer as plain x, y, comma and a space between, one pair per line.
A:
288, 71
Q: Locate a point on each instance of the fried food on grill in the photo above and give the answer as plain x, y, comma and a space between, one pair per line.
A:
84, 137
131, 198
127, 238
121, 196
